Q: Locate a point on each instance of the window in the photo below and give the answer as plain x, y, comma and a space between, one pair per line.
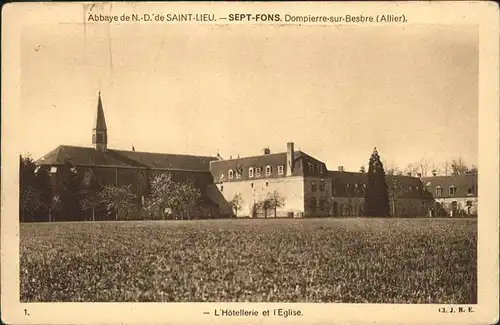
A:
469, 191
257, 171
238, 174
439, 191
409, 188
311, 167
267, 184
453, 190
222, 188
230, 173
320, 168
322, 186
268, 170
280, 170
322, 204
53, 170
251, 185
250, 172
468, 203
313, 186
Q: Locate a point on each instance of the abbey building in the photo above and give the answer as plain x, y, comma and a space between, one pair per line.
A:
303, 184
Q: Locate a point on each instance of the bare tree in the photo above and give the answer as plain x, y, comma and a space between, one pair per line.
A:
412, 168
118, 200
424, 165
236, 203
459, 167
395, 189
391, 168
446, 167
276, 200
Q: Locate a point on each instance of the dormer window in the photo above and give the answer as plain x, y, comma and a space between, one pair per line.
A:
250, 172
238, 174
258, 170
280, 170
439, 191
268, 170
230, 174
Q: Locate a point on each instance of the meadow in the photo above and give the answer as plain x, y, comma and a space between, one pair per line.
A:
354, 260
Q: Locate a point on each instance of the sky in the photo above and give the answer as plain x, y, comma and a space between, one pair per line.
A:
335, 91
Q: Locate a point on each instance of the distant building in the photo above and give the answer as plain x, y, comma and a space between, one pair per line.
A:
306, 186
453, 195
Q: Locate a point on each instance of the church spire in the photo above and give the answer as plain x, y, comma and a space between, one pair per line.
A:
100, 131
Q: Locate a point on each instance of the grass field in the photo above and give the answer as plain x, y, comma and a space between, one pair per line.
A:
309, 260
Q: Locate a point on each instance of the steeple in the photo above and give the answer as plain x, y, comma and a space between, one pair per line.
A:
100, 131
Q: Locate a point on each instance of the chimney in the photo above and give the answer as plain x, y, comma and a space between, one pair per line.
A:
419, 175
362, 169
408, 174
289, 158
341, 168
434, 172
266, 151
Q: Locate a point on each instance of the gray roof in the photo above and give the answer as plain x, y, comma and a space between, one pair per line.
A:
100, 120
84, 156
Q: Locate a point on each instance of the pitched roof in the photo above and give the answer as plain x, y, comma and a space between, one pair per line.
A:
220, 168
100, 121
462, 183
411, 186
122, 158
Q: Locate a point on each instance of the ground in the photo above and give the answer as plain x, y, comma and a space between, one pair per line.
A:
355, 260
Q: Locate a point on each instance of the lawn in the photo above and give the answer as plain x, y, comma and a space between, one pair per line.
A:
293, 260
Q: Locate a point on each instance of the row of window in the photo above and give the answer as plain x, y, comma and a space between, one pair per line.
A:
314, 186
255, 172
452, 190
319, 168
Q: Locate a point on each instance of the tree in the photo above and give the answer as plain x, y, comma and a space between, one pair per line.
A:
445, 169
391, 168
189, 197
118, 200
45, 192
275, 200
266, 205
395, 189
412, 169
236, 203
167, 194
459, 167
90, 193
257, 205
67, 192
29, 199
424, 166
163, 194
377, 199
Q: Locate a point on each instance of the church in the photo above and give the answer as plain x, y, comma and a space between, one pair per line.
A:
304, 184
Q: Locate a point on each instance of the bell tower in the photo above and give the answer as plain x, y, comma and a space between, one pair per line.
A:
100, 131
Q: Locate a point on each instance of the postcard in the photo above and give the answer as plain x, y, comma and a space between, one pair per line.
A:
250, 162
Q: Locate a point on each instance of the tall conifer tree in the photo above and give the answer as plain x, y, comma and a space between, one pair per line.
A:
377, 197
